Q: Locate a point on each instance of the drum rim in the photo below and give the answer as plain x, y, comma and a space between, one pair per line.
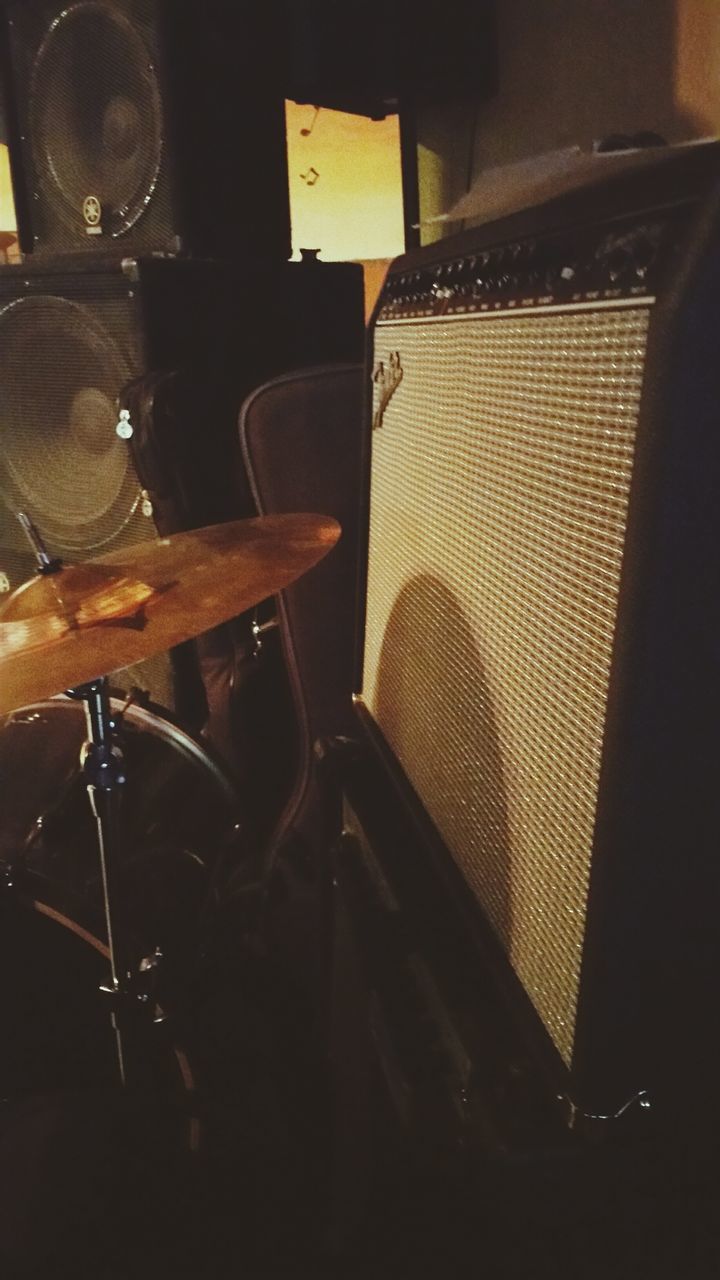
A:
155, 720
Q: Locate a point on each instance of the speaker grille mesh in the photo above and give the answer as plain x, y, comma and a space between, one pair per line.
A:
62, 461
96, 117
499, 491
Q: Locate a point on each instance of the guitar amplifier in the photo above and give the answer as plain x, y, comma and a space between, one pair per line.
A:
537, 664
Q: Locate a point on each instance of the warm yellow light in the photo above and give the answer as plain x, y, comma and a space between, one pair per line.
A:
7, 205
345, 184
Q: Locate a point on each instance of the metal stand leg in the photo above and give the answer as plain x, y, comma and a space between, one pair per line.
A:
105, 778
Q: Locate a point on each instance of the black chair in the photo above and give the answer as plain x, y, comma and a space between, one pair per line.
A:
301, 442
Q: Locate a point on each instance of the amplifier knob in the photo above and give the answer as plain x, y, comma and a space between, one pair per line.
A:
561, 273
552, 276
619, 263
515, 255
643, 255
550, 262
478, 279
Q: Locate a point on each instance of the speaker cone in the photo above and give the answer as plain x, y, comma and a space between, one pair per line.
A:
96, 119
62, 460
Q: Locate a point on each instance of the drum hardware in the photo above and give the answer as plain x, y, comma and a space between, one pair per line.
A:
103, 767
104, 770
68, 627
56, 1030
260, 628
139, 993
71, 625
146, 984
46, 563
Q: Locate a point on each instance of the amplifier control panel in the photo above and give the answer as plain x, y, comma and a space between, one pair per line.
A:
626, 259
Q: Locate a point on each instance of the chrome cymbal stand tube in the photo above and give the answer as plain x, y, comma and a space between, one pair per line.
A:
102, 764
103, 767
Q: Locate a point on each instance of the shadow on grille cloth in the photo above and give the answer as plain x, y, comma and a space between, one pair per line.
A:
458, 773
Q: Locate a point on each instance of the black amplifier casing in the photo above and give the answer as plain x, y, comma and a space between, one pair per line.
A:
647, 1034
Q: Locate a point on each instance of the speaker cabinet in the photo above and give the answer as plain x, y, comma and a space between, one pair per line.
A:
71, 343
146, 125
539, 667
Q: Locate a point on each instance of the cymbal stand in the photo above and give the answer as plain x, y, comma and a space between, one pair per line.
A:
104, 772
103, 767
131, 992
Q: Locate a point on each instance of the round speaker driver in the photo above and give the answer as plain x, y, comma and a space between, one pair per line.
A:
60, 457
96, 126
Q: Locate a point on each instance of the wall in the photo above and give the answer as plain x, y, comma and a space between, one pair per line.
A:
697, 67
8, 238
345, 183
346, 189
573, 71
7, 208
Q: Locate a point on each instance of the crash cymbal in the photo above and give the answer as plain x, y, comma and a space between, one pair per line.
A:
67, 628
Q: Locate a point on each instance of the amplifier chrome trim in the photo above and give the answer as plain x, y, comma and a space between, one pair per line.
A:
602, 304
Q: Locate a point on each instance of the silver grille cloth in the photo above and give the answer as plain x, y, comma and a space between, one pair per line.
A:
500, 479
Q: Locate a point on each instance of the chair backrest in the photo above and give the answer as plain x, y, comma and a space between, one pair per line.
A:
301, 441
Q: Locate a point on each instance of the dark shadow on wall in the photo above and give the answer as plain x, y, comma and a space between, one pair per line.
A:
435, 707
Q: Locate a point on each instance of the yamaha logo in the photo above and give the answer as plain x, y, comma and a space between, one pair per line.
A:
92, 215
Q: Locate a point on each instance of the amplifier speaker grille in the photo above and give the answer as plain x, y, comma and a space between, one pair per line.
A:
499, 492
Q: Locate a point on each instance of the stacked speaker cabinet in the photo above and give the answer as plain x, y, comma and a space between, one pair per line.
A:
538, 675
77, 338
145, 125
150, 175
